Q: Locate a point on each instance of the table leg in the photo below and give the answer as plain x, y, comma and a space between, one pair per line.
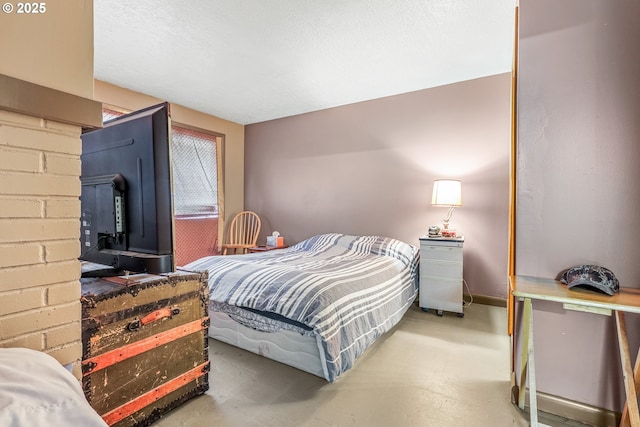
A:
528, 365
631, 379
533, 399
625, 420
524, 358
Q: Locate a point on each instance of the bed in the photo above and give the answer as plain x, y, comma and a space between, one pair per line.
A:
35, 390
317, 305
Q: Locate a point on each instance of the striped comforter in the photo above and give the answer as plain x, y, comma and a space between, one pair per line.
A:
346, 290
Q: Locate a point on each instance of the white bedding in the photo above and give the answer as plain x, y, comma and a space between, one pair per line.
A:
344, 291
35, 390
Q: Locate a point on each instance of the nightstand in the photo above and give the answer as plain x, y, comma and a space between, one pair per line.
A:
441, 274
265, 248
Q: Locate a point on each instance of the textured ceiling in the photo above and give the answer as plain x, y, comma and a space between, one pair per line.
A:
254, 60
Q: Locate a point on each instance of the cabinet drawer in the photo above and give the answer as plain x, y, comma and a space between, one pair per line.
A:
444, 253
441, 294
449, 269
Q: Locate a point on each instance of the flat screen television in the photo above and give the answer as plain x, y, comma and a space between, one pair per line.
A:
126, 201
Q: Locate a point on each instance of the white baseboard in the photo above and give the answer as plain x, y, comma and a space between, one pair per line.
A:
570, 409
486, 300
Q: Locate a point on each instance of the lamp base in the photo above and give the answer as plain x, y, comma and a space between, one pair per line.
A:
446, 231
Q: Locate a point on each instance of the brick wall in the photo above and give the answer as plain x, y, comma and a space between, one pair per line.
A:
39, 232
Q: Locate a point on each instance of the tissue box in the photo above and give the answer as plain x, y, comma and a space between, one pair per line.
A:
277, 241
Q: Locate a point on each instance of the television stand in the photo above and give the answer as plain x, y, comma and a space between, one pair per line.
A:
92, 269
134, 262
105, 272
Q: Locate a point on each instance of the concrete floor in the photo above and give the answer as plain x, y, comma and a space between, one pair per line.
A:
428, 371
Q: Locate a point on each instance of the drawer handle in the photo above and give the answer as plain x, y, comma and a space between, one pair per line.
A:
153, 317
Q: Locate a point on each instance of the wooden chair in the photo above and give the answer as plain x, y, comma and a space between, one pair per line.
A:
243, 233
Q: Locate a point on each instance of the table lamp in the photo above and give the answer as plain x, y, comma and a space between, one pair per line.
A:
447, 193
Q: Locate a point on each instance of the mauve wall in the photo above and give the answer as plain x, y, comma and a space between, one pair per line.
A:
368, 168
578, 178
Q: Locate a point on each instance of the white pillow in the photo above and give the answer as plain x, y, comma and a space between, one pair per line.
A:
35, 390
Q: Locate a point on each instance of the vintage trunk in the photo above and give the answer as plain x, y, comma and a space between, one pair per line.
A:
145, 347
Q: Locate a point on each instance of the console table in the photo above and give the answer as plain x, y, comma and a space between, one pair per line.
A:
526, 289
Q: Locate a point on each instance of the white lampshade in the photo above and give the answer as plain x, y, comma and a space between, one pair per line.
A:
447, 192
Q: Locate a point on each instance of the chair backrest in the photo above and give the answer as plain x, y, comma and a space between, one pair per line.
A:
244, 228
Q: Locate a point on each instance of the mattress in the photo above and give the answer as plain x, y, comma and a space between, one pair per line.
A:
285, 346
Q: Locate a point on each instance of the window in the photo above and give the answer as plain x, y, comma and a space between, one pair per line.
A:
108, 114
195, 183
195, 172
